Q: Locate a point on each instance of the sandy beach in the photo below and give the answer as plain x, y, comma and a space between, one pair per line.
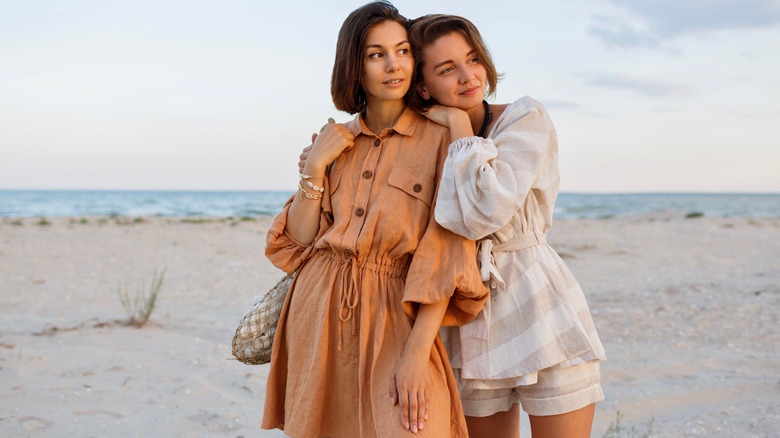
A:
688, 310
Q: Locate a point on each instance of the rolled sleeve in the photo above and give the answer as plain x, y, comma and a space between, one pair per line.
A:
486, 180
444, 268
282, 249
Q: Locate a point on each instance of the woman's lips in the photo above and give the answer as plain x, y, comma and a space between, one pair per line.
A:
470, 91
393, 83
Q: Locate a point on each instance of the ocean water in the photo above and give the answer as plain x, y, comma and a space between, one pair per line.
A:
45, 203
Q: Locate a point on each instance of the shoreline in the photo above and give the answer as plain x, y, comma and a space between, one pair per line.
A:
254, 204
654, 215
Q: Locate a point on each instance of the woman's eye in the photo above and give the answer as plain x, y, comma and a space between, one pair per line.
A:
446, 70
375, 55
474, 60
403, 51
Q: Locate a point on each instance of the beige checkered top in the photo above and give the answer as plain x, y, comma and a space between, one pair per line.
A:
502, 189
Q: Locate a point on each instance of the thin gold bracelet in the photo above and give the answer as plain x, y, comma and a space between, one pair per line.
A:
310, 184
319, 189
307, 194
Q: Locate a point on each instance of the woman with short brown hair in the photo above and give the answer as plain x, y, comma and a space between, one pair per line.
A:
534, 344
357, 351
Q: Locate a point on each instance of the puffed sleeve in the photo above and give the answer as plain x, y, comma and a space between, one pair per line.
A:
444, 268
283, 250
485, 181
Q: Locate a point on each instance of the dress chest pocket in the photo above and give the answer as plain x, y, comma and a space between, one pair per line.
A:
413, 183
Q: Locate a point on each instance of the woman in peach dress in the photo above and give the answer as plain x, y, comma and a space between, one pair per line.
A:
357, 352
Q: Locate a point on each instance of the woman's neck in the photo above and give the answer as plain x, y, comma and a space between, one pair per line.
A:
477, 117
383, 114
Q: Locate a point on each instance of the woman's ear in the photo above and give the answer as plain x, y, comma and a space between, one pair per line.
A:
423, 92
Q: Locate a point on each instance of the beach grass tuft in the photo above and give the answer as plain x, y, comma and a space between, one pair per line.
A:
693, 214
43, 222
616, 429
197, 220
139, 307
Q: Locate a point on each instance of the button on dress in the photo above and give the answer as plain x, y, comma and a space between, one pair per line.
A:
378, 255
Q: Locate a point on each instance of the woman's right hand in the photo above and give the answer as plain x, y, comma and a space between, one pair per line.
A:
334, 139
305, 152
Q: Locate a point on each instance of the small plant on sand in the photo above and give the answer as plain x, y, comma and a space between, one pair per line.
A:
617, 430
140, 306
43, 222
197, 220
694, 214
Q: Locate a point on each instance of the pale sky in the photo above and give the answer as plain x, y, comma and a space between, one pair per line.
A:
646, 95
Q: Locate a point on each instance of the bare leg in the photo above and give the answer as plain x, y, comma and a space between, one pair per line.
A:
499, 425
575, 424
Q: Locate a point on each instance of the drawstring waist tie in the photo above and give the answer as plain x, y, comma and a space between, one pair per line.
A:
351, 279
479, 326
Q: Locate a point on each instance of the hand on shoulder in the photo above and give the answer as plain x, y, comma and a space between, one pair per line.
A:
446, 115
334, 139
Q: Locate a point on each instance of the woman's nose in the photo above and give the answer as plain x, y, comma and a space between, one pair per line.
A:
466, 75
391, 63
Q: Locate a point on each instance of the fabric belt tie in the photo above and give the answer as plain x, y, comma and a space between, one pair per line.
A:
490, 274
348, 297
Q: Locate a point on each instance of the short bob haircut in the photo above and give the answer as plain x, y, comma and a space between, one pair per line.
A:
427, 29
345, 82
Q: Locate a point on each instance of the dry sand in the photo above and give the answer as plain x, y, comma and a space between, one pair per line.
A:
688, 309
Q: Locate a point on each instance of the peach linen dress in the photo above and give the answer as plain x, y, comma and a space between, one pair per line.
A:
378, 254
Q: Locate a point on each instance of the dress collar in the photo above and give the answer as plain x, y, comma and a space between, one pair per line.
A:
405, 125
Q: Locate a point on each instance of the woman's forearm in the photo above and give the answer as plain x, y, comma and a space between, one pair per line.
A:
426, 326
303, 218
411, 381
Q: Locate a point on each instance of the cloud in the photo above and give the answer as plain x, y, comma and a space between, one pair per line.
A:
646, 23
646, 87
625, 36
561, 104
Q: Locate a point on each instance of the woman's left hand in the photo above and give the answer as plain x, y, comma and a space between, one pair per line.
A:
443, 115
410, 386
454, 118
